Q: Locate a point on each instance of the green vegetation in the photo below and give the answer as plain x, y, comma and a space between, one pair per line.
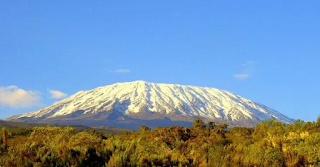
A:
270, 143
27, 127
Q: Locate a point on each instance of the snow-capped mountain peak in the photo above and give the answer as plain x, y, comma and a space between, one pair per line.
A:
141, 100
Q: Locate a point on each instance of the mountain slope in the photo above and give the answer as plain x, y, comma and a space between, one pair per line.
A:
141, 102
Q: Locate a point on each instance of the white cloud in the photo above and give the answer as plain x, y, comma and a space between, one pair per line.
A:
14, 97
242, 76
121, 71
55, 94
247, 70
249, 63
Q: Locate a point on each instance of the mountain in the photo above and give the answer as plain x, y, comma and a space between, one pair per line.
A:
131, 104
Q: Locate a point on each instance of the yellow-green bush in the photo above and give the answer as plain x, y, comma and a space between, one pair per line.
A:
270, 143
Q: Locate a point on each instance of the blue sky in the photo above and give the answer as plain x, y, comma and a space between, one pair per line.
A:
266, 51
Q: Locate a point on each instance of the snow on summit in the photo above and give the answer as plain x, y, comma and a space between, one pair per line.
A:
141, 100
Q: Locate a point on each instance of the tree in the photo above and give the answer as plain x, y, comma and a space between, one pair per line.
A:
5, 137
212, 125
199, 124
223, 126
222, 129
318, 121
144, 129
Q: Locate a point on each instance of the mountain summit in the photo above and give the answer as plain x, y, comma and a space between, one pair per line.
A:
131, 104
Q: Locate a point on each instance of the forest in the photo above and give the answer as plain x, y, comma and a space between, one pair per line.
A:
269, 143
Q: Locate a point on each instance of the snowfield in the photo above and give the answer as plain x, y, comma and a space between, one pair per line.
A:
151, 101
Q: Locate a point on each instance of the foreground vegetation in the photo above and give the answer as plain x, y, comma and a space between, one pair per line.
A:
270, 143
